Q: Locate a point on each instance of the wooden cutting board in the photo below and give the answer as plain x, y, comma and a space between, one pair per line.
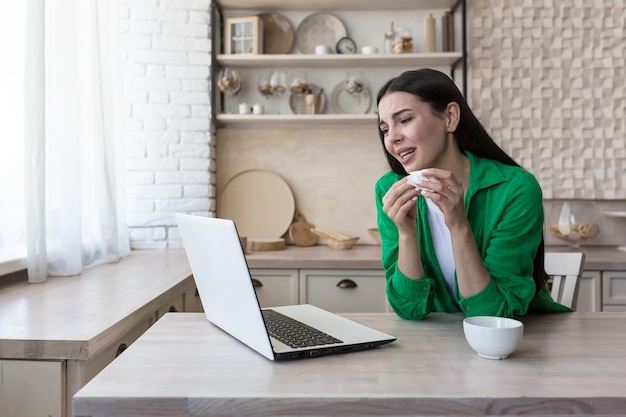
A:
269, 244
300, 231
260, 202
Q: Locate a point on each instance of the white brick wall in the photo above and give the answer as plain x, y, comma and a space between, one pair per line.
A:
169, 155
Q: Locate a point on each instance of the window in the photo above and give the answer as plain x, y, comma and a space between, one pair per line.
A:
12, 235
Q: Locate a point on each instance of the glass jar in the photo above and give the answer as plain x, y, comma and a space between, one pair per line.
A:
402, 41
573, 221
389, 37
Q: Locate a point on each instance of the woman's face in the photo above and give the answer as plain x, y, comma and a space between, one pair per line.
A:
413, 134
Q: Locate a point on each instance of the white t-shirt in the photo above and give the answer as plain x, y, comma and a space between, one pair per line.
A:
443, 246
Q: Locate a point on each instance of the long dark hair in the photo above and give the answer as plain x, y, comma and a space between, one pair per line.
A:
437, 90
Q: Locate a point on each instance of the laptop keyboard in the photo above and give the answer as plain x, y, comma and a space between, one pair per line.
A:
293, 333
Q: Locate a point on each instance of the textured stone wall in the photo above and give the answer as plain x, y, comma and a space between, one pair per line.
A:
547, 78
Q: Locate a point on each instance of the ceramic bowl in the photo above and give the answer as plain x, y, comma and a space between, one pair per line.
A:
493, 337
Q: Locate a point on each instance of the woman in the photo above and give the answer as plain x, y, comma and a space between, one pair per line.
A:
471, 238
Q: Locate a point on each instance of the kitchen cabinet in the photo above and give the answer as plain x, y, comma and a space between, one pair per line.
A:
319, 269
365, 21
614, 291
336, 290
344, 291
275, 287
32, 388
590, 292
602, 291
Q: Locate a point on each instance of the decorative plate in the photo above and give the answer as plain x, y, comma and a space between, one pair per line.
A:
260, 202
297, 102
344, 102
278, 33
319, 29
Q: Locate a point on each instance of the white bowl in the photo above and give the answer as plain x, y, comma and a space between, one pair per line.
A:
493, 337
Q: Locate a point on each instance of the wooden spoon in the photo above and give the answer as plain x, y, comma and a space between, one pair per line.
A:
300, 231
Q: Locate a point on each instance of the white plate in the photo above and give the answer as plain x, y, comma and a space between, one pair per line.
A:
260, 202
319, 29
344, 102
297, 102
614, 213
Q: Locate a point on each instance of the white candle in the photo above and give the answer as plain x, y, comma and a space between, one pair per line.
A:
244, 108
257, 108
322, 50
369, 50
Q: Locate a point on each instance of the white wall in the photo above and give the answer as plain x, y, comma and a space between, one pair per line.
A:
166, 91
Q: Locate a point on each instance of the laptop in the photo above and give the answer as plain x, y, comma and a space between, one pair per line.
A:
222, 276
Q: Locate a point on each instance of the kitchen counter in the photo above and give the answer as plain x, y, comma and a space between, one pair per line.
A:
566, 364
56, 335
597, 258
67, 317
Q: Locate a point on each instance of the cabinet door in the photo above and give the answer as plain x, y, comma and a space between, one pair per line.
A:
590, 292
613, 288
32, 388
275, 287
344, 291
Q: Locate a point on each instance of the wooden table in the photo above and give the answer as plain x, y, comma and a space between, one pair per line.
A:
567, 364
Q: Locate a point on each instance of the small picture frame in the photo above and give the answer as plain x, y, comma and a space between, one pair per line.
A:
244, 35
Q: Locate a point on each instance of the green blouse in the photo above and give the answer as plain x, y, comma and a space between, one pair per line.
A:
503, 204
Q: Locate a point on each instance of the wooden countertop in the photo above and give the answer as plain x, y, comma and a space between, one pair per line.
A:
319, 256
597, 258
570, 363
75, 317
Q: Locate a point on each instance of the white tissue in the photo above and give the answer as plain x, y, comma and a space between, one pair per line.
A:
416, 177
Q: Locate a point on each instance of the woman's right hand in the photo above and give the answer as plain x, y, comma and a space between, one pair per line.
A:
399, 205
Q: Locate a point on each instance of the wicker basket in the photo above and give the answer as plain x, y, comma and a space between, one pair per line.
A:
335, 240
342, 244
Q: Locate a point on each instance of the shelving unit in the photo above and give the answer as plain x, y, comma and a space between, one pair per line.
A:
455, 61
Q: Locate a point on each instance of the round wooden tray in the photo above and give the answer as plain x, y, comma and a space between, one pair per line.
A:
260, 203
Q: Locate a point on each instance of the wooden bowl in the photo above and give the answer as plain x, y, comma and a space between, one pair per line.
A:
335, 240
342, 244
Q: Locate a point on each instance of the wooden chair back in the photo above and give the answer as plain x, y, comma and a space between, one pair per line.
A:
565, 270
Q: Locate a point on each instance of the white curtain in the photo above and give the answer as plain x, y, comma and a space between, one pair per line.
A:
73, 142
